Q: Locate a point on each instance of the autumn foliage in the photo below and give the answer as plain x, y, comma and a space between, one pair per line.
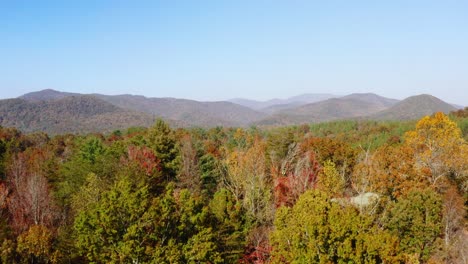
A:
238, 195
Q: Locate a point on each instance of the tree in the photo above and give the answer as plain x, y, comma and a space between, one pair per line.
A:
109, 230
417, 221
229, 224
453, 247
128, 225
393, 171
250, 184
91, 150
317, 230
299, 173
162, 140
30, 202
4, 227
90, 155
142, 165
35, 245
330, 181
210, 174
90, 193
183, 230
337, 151
248, 181
439, 148
189, 172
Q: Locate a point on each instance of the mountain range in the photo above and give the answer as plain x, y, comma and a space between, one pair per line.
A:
58, 112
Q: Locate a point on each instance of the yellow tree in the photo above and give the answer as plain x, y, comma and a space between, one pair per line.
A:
441, 153
249, 182
439, 148
247, 179
35, 245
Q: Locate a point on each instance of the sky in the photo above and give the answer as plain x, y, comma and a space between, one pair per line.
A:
216, 50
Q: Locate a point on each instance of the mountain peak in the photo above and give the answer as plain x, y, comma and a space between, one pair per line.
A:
46, 95
415, 107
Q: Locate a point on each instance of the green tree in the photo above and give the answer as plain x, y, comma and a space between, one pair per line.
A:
110, 230
210, 174
316, 230
181, 230
91, 150
162, 140
229, 225
90, 155
417, 220
330, 181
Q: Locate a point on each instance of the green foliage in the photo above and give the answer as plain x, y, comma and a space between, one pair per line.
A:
330, 180
367, 134
110, 230
182, 230
91, 156
279, 141
162, 140
317, 230
416, 220
89, 193
159, 195
229, 223
210, 174
91, 149
126, 225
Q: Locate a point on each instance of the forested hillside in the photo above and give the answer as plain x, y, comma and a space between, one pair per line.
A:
69, 114
339, 192
56, 112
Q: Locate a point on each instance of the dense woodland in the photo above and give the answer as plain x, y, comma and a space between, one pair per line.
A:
337, 192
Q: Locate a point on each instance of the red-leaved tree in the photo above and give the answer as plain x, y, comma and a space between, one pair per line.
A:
299, 173
29, 202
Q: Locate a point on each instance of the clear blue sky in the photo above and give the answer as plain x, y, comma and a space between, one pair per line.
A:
213, 50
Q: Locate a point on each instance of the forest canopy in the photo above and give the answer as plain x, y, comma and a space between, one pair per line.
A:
337, 192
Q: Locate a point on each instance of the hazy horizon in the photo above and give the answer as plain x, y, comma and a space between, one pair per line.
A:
215, 50
237, 98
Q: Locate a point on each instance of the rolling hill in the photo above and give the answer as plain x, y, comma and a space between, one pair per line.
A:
188, 112
72, 114
183, 112
351, 106
58, 112
413, 107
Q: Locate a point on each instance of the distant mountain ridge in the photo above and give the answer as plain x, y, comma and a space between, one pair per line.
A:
59, 112
372, 99
188, 112
284, 103
182, 111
